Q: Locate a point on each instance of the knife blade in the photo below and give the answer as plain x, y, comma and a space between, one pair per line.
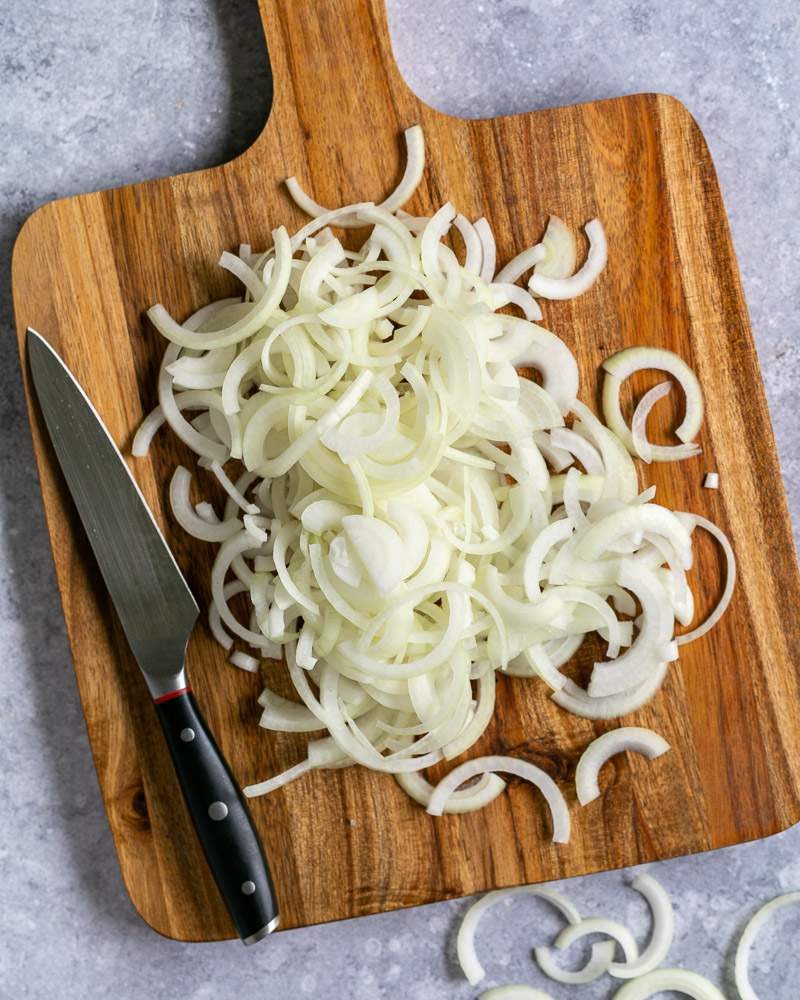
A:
157, 611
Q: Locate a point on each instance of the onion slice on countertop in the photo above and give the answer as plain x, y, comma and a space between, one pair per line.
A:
465, 941
692, 984
748, 938
660, 942
602, 955
509, 765
711, 481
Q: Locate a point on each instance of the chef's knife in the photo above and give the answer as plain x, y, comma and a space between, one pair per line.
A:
158, 612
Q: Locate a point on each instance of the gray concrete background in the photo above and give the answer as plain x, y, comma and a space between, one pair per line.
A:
94, 94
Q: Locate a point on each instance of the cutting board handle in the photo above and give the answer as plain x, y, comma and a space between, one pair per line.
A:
334, 74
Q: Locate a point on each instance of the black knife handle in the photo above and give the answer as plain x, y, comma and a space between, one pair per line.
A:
220, 816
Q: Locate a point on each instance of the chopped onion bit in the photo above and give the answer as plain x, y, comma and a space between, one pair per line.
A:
711, 481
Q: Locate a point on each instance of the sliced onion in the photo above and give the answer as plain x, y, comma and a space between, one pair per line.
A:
523, 262
415, 163
662, 980
574, 699
711, 481
396, 526
730, 579
641, 446
510, 765
630, 738
465, 942
489, 250
661, 936
754, 925
583, 279
290, 774
146, 432
623, 364
244, 662
596, 925
602, 956
463, 800
186, 516
561, 252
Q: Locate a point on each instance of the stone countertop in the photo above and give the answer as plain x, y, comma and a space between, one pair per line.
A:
95, 94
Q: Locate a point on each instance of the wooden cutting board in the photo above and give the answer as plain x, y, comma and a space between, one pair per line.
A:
349, 842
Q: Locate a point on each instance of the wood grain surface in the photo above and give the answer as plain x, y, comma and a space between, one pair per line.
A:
350, 842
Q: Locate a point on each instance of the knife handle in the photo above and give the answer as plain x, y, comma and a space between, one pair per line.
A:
220, 816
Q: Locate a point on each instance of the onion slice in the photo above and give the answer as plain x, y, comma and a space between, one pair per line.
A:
632, 738
583, 279
633, 359
730, 579
509, 765
516, 991
465, 942
748, 937
561, 251
663, 917
692, 984
462, 800
602, 956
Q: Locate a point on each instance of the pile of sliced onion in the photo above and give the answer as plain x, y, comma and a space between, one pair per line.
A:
641, 969
405, 512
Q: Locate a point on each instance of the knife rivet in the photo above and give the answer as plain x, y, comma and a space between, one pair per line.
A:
187, 735
248, 888
218, 810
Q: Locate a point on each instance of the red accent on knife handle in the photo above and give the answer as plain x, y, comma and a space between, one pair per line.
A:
171, 694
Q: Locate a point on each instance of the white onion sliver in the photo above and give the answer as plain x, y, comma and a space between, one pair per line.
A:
730, 579
463, 800
510, 765
290, 774
515, 991
584, 278
711, 481
465, 941
602, 955
754, 925
660, 942
662, 980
